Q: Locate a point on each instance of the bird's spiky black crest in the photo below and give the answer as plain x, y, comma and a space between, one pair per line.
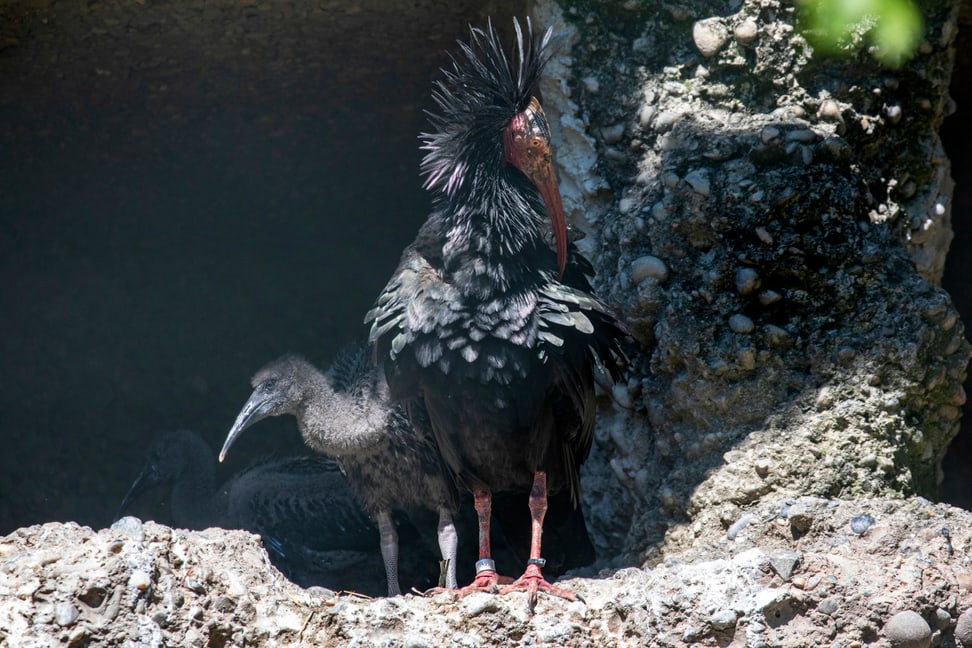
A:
479, 96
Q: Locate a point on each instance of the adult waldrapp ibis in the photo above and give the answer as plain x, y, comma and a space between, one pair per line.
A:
346, 414
488, 330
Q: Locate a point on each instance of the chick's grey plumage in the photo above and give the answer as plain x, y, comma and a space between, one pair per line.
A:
302, 507
346, 414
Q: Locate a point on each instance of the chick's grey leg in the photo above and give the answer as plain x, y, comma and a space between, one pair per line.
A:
448, 545
389, 551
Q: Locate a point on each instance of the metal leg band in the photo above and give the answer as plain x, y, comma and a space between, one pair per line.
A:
486, 564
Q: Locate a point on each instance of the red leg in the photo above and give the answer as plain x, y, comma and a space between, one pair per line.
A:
532, 579
487, 580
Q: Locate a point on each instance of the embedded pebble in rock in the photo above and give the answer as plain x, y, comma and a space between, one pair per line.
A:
828, 606
768, 297
139, 580
746, 31
829, 110
613, 134
764, 235
908, 630
479, 603
648, 266
739, 525
645, 115
741, 324
777, 336
65, 614
768, 134
723, 619
861, 523
698, 179
784, 563
801, 135
747, 281
710, 35
893, 113
963, 629
130, 527
800, 518
762, 467
666, 120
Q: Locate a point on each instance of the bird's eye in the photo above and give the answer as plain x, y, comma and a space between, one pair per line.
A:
269, 384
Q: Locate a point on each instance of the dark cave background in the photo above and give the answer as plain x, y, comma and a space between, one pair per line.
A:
189, 189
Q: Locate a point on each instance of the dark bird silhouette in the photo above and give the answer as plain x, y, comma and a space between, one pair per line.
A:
490, 335
347, 415
311, 523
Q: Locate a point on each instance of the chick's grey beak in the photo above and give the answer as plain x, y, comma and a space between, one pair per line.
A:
256, 409
141, 484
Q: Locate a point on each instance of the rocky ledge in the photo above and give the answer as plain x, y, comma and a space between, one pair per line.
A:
791, 573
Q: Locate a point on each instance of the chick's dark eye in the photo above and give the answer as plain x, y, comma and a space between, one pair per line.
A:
269, 384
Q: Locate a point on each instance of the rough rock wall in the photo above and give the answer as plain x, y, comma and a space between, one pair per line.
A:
772, 227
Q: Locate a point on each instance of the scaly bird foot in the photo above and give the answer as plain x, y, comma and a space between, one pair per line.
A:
486, 581
532, 581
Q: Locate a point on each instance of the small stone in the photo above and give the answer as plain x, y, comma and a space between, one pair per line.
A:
746, 359
893, 113
784, 563
478, 603
764, 236
666, 119
747, 281
627, 204
723, 620
861, 523
739, 525
710, 36
130, 527
768, 598
648, 266
777, 336
942, 618
698, 179
908, 630
139, 580
613, 134
224, 604
828, 606
591, 84
801, 135
768, 297
739, 323
645, 115
762, 467
963, 629
746, 31
768, 134
800, 518
65, 614
829, 110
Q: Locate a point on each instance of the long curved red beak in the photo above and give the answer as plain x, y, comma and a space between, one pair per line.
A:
526, 145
